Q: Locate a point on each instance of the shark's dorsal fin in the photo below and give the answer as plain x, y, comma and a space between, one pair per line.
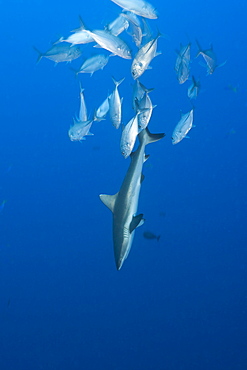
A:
136, 221
109, 200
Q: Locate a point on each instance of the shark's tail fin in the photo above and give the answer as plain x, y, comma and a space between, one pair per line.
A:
146, 136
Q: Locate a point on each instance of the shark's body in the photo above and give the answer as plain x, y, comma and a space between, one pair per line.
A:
124, 204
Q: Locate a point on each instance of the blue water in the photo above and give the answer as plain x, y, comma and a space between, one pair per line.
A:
176, 304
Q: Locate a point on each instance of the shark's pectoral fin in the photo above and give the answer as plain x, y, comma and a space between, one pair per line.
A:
109, 200
136, 221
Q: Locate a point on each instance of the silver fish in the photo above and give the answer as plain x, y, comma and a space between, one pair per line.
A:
94, 63
80, 36
115, 105
111, 43
83, 109
194, 88
182, 65
79, 130
118, 25
183, 127
145, 107
183, 72
124, 204
138, 92
143, 58
134, 29
103, 109
146, 32
210, 58
60, 53
139, 7
129, 135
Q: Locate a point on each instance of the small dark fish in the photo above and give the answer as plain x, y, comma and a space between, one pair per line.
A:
2, 205
149, 235
162, 214
235, 89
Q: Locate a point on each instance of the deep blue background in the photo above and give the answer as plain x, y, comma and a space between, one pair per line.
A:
180, 303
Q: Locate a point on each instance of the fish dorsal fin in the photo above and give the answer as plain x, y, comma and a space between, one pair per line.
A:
109, 200
136, 221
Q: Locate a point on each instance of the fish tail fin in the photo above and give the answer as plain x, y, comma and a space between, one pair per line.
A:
222, 64
160, 34
61, 39
75, 72
146, 136
40, 56
81, 88
82, 26
95, 118
199, 48
145, 88
149, 90
117, 83
193, 80
158, 237
98, 119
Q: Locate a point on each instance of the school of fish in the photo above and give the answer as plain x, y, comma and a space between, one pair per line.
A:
133, 19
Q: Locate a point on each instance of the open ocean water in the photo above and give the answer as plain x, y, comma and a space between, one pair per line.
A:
179, 303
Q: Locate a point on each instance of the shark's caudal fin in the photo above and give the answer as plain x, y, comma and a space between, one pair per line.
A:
146, 136
109, 200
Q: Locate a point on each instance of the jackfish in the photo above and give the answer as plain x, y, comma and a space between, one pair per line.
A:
118, 25
182, 65
103, 109
79, 130
183, 127
139, 7
129, 135
94, 63
60, 53
209, 57
144, 57
115, 105
111, 43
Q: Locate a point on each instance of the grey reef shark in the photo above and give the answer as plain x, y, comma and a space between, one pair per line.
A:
124, 204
